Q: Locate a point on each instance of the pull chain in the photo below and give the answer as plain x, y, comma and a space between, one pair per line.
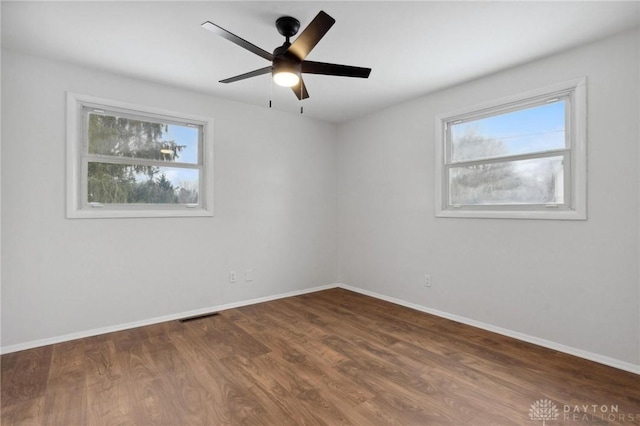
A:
301, 94
270, 91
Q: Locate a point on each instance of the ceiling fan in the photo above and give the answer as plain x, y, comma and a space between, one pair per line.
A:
288, 61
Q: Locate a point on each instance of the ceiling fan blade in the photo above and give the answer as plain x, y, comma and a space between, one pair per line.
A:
244, 76
237, 40
311, 35
311, 67
300, 90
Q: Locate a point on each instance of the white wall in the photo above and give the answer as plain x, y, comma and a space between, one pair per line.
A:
275, 212
574, 283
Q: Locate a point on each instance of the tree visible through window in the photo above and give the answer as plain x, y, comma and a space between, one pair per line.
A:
135, 161
498, 152
121, 137
525, 155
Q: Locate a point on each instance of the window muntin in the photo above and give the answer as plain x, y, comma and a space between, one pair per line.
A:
522, 157
130, 161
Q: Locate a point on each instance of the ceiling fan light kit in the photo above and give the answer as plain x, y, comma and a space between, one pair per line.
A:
286, 73
285, 78
288, 61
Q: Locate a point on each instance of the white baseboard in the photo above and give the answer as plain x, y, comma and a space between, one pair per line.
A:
612, 362
156, 320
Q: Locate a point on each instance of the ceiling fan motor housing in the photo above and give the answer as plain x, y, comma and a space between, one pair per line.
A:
287, 26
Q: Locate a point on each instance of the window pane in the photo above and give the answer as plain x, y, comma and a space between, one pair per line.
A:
126, 184
540, 128
534, 181
127, 137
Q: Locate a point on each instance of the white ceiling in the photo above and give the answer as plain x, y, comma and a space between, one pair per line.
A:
413, 47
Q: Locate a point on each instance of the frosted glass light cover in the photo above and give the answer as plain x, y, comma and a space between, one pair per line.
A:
286, 79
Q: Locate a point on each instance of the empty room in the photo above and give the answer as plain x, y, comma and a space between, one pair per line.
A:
320, 213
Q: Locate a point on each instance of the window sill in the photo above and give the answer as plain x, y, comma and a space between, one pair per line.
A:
100, 213
513, 214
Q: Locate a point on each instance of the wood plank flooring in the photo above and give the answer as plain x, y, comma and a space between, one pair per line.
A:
327, 358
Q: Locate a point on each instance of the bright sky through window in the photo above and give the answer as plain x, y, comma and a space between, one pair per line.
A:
133, 161
541, 128
518, 157
186, 136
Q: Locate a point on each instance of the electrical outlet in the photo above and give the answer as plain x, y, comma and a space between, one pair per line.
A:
427, 280
248, 275
232, 276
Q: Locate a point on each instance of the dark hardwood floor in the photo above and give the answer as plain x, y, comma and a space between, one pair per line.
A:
326, 358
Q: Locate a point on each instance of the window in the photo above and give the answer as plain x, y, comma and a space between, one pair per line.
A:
131, 161
522, 157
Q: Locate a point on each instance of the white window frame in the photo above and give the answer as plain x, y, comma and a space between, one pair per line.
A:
575, 206
77, 157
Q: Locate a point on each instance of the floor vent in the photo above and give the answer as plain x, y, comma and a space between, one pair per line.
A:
198, 317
